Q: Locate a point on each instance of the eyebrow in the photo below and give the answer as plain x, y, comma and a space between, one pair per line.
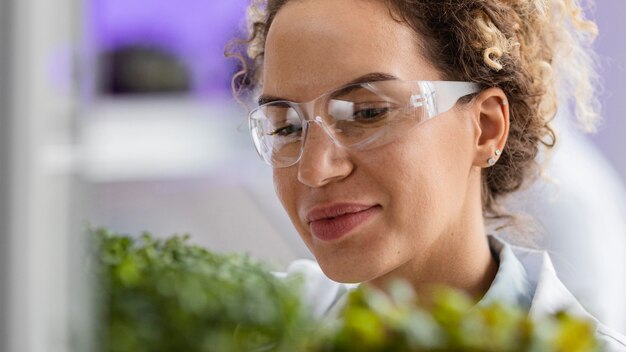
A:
369, 77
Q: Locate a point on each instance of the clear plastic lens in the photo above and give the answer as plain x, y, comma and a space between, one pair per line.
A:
356, 116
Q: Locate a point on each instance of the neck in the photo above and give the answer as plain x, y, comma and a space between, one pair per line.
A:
460, 257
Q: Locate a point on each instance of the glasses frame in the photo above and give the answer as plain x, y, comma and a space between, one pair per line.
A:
437, 98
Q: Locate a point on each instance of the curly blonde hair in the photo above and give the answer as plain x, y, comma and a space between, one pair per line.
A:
534, 50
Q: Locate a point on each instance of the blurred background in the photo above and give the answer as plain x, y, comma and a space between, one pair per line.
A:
118, 113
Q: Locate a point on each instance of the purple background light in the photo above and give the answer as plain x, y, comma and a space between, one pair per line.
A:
611, 47
195, 31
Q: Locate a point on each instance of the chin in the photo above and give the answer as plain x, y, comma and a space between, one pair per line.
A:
347, 272
356, 261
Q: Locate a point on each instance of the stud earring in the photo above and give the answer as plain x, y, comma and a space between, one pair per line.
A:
492, 161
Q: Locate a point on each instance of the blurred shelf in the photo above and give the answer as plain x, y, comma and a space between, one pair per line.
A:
156, 137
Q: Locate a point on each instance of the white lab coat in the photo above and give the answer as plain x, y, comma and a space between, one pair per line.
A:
580, 209
550, 295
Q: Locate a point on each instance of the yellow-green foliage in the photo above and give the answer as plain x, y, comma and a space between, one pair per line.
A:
169, 295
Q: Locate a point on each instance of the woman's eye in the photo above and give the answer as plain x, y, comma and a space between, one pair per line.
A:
286, 131
370, 114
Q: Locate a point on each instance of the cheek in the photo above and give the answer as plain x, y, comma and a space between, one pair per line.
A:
424, 175
289, 191
402, 174
449, 160
417, 185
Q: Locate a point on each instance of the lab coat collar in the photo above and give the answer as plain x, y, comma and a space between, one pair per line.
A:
527, 277
510, 285
551, 296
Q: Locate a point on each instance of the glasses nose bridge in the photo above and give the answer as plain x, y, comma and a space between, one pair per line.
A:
319, 121
312, 112
310, 109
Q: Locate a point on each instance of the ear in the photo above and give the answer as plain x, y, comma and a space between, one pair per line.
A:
491, 119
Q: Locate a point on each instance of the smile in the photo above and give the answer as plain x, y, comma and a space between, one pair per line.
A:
333, 223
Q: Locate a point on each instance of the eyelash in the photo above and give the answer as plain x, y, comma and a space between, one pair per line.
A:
380, 113
281, 129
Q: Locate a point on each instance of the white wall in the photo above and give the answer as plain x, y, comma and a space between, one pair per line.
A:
38, 118
4, 159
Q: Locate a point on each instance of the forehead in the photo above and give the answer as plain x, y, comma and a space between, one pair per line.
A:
316, 45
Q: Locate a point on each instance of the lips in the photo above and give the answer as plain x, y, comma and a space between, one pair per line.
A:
333, 222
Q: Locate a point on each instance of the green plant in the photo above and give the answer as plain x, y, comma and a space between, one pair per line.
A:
373, 321
169, 295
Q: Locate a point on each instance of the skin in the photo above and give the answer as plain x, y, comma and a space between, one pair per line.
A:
429, 226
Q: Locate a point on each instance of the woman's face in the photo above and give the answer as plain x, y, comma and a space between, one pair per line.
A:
364, 214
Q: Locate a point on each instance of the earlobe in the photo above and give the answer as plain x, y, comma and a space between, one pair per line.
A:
492, 120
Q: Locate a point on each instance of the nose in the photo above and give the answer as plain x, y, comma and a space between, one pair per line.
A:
322, 160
